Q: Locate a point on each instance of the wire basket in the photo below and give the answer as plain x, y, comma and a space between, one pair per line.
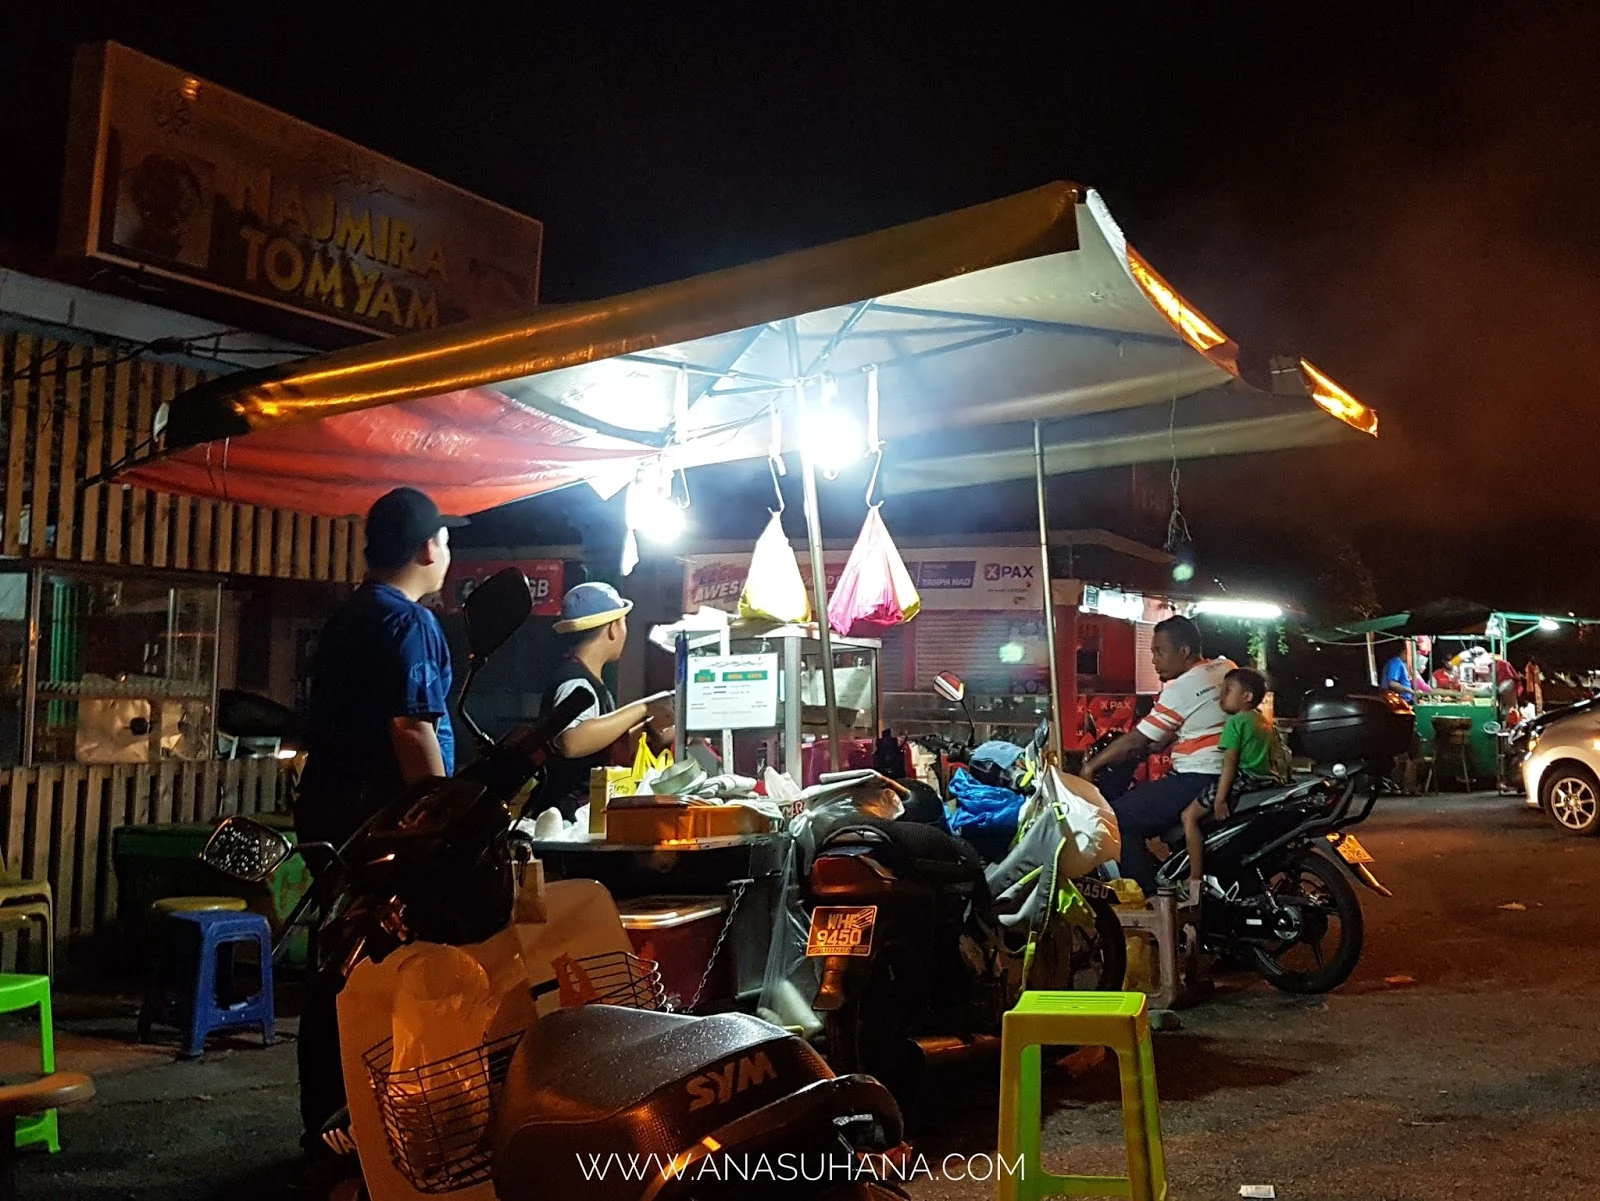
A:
438, 1118
615, 978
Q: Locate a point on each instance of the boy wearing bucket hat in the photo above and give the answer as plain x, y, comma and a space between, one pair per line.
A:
594, 622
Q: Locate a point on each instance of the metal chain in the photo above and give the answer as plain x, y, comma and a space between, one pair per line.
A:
738, 895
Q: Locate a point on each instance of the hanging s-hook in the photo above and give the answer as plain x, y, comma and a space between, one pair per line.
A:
874, 441
775, 455
680, 405
775, 466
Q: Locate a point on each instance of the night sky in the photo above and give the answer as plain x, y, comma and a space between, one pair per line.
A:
1407, 194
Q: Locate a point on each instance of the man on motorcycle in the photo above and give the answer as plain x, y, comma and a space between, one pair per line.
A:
378, 721
1188, 717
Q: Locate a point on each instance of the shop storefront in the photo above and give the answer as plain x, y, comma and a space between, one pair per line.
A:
125, 611
200, 234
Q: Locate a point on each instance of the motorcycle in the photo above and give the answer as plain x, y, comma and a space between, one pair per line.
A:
1278, 888
574, 1081
917, 957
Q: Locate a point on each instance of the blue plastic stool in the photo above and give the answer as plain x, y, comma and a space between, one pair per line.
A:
183, 992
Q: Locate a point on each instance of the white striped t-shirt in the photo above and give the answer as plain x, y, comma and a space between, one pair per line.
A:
1189, 716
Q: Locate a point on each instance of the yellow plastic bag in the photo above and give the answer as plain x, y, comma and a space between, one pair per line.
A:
774, 591
644, 761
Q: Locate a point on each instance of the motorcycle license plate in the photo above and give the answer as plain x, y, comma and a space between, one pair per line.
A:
841, 930
1095, 890
1350, 850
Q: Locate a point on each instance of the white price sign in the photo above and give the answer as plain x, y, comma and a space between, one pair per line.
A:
732, 692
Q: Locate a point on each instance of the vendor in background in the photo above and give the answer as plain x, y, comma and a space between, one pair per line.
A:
1406, 674
594, 629
1507, 683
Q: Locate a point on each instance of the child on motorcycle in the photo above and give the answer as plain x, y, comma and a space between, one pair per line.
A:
1250, 759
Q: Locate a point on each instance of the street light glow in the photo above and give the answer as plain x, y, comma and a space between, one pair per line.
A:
1249, 610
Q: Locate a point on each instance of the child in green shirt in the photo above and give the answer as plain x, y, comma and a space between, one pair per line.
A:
1249, 756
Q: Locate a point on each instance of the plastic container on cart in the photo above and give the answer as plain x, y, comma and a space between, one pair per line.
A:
1355, 729
649, 820
680, 934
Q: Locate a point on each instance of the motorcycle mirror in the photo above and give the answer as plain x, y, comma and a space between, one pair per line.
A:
245, 849
950, 686
495, 610
1041, 733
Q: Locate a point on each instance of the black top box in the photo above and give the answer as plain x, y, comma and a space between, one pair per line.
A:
1339, 728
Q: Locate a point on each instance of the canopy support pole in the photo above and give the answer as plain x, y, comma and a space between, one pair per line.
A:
1372, 662
819, 579
1049, 596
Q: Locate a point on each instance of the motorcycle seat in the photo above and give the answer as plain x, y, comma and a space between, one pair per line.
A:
602, 1078
585, 1063
1260, 797
909, 849
1256, 798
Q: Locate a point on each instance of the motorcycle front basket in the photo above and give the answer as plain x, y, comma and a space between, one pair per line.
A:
437, 1118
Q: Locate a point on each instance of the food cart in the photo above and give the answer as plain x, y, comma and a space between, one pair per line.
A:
1468, 640
758, 689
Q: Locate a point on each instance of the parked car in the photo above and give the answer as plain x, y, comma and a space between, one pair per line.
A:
1560, 763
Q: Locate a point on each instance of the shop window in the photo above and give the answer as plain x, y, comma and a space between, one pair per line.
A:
125, 671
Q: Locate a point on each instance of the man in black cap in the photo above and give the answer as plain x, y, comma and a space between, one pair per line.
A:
379, 720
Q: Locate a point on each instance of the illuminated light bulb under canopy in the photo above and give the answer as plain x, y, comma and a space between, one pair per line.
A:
652, 510
1340, 403
833, 439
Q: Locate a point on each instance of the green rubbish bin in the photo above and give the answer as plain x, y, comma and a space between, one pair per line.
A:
164, 861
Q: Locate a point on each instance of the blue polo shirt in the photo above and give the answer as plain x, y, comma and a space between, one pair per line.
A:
381, 656
1397, 676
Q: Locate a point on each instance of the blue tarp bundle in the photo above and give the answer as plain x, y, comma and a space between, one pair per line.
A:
985, 816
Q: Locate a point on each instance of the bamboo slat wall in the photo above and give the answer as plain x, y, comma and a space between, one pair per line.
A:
66, 412
58, 821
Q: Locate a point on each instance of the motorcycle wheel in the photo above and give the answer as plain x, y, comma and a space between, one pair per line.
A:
871, 1031
1070, 959
1329, 906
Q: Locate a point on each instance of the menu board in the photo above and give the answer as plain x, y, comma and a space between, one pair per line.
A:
732, 692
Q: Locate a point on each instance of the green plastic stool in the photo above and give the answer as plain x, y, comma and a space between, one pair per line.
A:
24, 992
1117, 1020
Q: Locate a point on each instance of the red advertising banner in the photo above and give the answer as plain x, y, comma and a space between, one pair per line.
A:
546, 579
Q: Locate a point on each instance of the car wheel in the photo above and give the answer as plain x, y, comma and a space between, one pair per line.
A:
1572, 799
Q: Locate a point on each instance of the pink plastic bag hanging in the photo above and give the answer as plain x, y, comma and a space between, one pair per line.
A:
875, 590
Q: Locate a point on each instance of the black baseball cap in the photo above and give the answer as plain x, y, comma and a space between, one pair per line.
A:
400, 523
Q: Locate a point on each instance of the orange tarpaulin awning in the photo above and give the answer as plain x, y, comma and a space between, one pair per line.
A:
470, 450
972, 326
